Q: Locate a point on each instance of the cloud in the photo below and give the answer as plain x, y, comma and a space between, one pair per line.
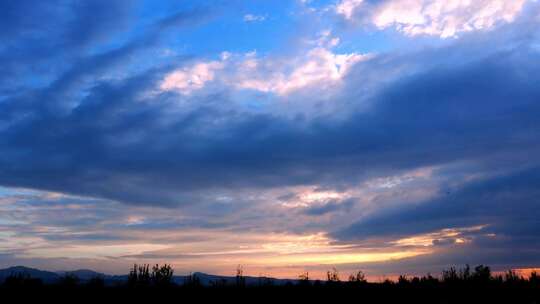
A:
347, 7
318, 67
503, 208
254, 18
122, 235
329, 207
434, 17
191, 79
107, 145
35, 32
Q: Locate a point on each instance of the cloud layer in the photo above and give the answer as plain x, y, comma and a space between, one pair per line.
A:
314, 153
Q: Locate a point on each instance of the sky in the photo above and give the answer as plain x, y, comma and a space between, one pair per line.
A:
389, 136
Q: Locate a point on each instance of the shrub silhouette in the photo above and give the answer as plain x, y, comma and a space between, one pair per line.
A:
359, 277
450, 276
240, 279
303, 279
465, 273
96, 282
69, 280
403, 280
332, 277
482, 274
512, 278
139, 275
453, 286
162, 275
22, 280
219, 283
534, 279
429, 280
192, 280
265, 282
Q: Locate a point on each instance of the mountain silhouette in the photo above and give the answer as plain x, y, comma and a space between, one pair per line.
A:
84, 275
45, 276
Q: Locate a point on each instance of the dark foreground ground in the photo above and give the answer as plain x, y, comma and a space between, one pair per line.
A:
368, 293
464, 285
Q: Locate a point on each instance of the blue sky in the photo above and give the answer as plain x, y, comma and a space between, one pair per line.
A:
392, 136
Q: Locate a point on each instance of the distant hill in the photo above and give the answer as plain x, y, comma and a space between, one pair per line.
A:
45, 276
209, 279
85, 275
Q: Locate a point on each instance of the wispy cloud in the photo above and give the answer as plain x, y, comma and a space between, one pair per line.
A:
254, 18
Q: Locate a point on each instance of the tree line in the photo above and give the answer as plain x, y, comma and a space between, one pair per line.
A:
144, 275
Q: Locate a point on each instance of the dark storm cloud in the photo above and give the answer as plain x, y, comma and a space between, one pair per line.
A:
40, 38
509, 205
56, 45
31, 19
485, 113
110, 144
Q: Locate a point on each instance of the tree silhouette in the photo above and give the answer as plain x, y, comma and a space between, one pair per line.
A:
332, 276
192, 281
454, 286
22, 280
162, 275
69, 280
512, 278
357, 278
139, 276
482, 274
96, 282
303, 279
240, 279
450, 276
